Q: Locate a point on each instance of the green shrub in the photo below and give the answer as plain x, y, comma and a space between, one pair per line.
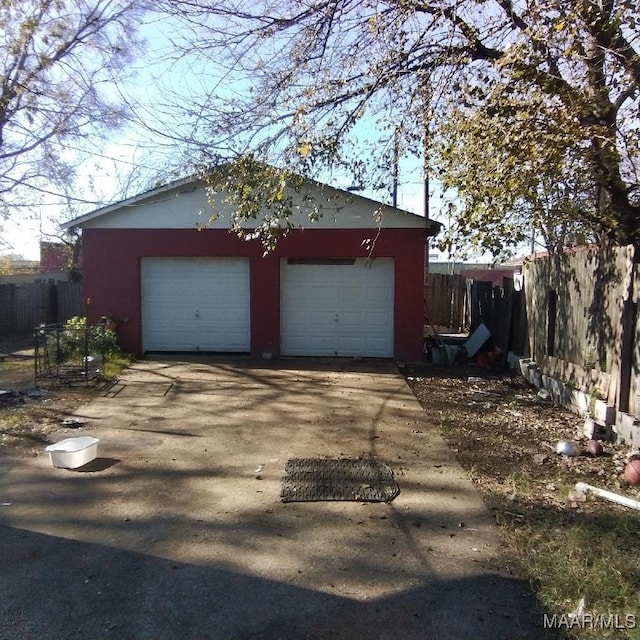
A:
77, 336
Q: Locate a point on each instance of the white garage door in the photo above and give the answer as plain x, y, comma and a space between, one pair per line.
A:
195, 304
337, 308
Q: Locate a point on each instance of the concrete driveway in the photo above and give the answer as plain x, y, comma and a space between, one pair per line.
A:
171, 532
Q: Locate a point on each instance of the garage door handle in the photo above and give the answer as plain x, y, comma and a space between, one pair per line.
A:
336, 318
197, 314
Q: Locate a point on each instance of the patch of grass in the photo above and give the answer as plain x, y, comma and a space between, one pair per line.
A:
115, 363
13, 418
28, 424
571, 551
13, 364
447, 422
22, 435
593, 555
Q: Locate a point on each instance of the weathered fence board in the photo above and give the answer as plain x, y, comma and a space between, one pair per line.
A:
482, 305
25, 306
634, 382
580, 314
70, 300
445, 298
502, 310
577, 317
520, 324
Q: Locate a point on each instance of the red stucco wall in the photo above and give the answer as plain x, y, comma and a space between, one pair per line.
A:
112, 274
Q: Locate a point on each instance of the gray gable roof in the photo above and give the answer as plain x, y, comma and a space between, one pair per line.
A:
184, 203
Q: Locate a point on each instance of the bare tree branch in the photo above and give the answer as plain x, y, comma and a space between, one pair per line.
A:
57, 56
316, 78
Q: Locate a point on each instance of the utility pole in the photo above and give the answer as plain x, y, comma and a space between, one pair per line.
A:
396, 160
426, 148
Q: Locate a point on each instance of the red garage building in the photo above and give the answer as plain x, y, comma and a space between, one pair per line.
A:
349, 284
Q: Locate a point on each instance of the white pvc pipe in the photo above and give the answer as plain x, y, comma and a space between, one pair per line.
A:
583, 487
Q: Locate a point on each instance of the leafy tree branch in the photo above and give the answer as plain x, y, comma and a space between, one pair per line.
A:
559, 78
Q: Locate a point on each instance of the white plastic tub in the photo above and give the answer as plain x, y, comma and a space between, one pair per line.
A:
72, 453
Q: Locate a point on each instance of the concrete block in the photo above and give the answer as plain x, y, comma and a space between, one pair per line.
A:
529, 370
627, 429
525, 368
513, 361
553, 387
560, 392
595, 431
602, 412
580, 402
536, 375
585, 405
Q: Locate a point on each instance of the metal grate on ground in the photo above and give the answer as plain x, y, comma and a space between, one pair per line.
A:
338, 479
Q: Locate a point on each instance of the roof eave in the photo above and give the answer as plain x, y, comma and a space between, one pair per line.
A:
433, 228
151, 193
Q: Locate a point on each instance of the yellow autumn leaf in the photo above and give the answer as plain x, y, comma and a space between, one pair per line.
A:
305, 149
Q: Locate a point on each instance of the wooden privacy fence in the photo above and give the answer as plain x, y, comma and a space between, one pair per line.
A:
456, 303
503, 311
576, 317
446, 301
584, 327
25, 306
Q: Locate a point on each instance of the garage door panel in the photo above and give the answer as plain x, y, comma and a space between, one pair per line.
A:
349, 342
195, 304
211, 342
378, 319
348, 294
324, 294
375, 344
348, 309
377, 295
299, 344
350, 319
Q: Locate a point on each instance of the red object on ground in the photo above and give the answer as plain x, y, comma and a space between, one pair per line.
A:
594, 448
632, 472
482, 360
486, 359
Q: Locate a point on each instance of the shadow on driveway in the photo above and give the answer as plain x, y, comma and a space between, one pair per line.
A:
53, 588
180, 538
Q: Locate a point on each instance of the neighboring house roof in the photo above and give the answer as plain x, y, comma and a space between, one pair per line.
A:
54, 256
495, 275
455, 267
183, 204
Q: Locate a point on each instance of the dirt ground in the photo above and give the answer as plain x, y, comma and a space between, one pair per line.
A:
575, 548
502, 431
17, 367
28, 416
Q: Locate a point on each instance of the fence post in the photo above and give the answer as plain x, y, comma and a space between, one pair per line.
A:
519, 330
503, 339
627, 332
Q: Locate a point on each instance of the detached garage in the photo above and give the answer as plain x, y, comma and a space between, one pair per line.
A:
349, 284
